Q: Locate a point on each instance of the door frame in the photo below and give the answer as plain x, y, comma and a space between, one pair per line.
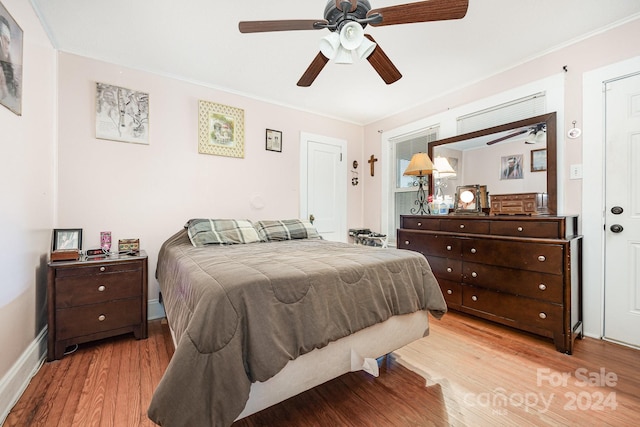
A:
305, 137
593, 197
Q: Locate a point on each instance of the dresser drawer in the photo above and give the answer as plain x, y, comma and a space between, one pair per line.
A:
90, 289
519, 309
465, 226
429, 244
90, 319
538, 229
452, 291
446, 268
543, 286
420, 223
543, 257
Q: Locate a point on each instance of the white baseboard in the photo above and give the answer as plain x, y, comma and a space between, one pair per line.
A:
15, 382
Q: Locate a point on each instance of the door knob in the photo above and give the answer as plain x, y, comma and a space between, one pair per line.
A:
312, 218
617, 210
616, 228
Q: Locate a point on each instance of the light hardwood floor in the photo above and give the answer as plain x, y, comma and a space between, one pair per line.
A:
468, 372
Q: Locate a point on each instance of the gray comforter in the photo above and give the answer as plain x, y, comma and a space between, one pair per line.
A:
241, 312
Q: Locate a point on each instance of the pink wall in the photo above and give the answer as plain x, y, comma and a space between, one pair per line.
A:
150, 191
600, 50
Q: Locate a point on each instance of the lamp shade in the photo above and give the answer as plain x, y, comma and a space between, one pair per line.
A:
351, 35
365, 49
329, 45
442, 165
343, 56
420, 165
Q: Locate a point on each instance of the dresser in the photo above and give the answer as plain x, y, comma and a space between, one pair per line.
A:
521, 271
91, 299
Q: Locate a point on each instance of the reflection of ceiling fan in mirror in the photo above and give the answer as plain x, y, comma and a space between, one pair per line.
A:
537, 134
346, 19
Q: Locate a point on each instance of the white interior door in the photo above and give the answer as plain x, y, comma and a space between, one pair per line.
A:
323, 175
622, 211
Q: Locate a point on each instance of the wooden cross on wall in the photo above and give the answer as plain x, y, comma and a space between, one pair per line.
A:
372, 161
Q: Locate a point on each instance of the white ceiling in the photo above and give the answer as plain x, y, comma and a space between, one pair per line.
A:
199, 41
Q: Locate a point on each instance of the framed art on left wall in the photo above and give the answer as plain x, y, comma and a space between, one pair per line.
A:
11, 37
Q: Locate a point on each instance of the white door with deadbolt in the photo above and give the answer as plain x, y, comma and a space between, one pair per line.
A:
622, 211
323, 189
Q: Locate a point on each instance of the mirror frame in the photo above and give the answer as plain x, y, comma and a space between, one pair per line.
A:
552, 150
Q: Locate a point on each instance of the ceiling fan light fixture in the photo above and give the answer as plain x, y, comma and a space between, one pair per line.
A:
329, 45
351, 35
365, 49
343, 56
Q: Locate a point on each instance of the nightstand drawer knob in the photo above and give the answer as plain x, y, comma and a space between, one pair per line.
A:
543, 315
102, 317
419, 224
101, 288
473, 250
474, 274
474, 298
449, 247
449, 270
103, 268
461, 225
542, 287
542, 258
406, 242
449, 291
520, 229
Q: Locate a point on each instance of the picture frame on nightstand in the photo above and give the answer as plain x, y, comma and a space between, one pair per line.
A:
66, 239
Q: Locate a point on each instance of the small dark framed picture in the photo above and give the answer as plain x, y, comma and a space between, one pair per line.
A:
274, 140
539, 160
66, 239
468, 199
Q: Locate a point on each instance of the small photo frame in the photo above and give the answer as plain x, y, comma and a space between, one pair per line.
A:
274, 140
468, 199
539, 160
66, 239
220, 130
511, 167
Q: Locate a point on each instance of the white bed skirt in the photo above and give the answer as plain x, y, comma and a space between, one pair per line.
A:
324, 364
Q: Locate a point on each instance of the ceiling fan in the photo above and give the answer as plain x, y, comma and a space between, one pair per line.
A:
346, 19
535, 134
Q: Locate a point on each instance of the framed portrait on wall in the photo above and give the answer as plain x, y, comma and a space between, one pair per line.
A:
11, 40
220, 130
511, 167
539, 160
274, 140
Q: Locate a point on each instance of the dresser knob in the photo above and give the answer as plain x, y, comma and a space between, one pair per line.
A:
473, 250
103, 268
542, 315
449, 270
520, 228
461, 225
406, 242
542, 287
474, 298
449, 291
101, 288
474, 274
542, 258
102, 317
419, 224
449, 247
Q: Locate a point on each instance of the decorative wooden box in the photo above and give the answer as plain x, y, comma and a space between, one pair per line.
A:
519, 204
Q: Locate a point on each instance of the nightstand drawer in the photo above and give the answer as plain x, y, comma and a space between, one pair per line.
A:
93, 270
81, 290
90, 319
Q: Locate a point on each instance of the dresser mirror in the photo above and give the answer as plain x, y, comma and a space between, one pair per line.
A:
486, 157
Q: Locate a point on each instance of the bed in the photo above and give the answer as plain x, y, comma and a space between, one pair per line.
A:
259, 318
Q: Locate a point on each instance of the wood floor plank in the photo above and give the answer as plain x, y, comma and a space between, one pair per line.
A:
467, 372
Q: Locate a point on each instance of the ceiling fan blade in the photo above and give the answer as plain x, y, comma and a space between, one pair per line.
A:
422, 11
382, 64
313, 70
511, 135
354, 4
282, 25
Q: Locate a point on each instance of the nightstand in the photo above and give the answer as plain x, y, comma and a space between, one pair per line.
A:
92, 299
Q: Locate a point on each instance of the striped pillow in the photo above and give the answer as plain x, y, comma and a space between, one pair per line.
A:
204, 232
288, 229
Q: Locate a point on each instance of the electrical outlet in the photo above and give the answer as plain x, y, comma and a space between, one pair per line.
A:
575, 172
